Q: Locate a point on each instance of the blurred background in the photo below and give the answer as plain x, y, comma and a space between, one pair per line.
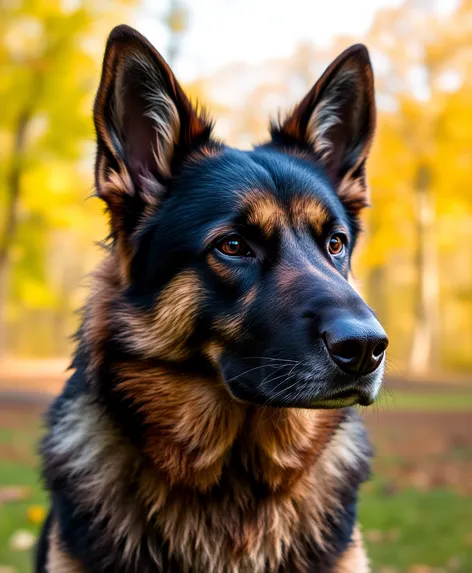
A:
246, 60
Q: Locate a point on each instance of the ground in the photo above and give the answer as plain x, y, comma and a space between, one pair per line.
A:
416, 512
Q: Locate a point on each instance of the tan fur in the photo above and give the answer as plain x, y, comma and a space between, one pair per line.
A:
203, 152
58, 560
213, 350
354, 193
112, 186
355, 558
230, 328
289, 441
188, 438
106, 288
305, 210
263, 211
165, 331
249, 297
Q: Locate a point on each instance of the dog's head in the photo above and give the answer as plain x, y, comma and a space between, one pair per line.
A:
239, 261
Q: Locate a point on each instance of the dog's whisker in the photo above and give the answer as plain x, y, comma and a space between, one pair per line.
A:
281, 392
280, 368
268, 358
287, 375
284, 390
285, 378
250, 370
268, 377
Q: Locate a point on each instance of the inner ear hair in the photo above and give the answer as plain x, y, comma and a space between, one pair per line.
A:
142, 98
334, 111
335, 121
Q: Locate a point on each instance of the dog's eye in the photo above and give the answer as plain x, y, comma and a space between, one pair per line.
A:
234, 246
336, 244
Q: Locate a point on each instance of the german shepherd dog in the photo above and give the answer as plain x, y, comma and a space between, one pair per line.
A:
207, 424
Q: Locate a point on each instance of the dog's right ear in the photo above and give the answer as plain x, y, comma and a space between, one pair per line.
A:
335, 123
145, 126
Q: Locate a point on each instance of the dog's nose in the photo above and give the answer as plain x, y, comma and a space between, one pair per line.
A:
357, 347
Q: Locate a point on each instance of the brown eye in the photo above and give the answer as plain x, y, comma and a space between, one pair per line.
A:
336, 244
234, 246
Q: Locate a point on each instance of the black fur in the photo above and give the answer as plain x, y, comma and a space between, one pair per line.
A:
42, 545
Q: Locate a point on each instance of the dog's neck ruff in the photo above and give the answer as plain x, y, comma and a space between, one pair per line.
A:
214, 485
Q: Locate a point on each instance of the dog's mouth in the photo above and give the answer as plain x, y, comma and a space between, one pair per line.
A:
343, 399
303, 389
308, 397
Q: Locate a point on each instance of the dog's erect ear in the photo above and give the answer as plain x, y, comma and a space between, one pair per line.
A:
145, 126
144, 122
336, 121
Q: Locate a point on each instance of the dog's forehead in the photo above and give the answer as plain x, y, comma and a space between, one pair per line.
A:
264, 186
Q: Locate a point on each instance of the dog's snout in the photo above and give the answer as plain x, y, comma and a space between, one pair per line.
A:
356, 346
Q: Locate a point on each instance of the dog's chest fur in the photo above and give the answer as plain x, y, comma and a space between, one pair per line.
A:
276, 494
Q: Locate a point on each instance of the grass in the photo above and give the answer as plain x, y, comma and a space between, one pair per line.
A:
427, 402
19, 468
402, 528
13, 515
408, 528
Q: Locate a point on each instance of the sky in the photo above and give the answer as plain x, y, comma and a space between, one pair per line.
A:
225, 31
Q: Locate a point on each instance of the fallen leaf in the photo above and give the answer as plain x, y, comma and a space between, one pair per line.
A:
13, 493
374, 535
420, 569
392, 535
454, 563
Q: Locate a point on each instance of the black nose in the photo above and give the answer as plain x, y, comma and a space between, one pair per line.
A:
357, 347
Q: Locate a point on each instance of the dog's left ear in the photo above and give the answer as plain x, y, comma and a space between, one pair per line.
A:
143, 119
146, 127
336, 121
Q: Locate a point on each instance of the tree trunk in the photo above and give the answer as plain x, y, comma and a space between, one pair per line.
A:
423, 352
377, 295
376, 280
11, 213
